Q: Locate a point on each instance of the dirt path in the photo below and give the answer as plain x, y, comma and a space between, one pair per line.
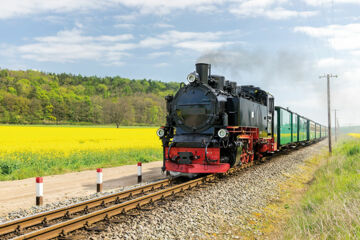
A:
21, 193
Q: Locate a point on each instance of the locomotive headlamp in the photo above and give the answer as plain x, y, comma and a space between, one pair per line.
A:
192, 77
160, 132
223, 133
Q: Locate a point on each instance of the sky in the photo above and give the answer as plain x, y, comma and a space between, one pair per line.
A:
282, 46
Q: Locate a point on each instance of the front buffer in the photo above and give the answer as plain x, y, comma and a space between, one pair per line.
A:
194, 160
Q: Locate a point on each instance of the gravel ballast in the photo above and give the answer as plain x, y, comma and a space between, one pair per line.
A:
204, 213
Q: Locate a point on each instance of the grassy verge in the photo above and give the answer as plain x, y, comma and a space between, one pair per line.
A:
15, 166
269, 222
330, 209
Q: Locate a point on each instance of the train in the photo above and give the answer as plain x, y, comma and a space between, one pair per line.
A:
213, 125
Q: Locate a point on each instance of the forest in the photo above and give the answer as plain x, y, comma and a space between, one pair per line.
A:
33, 97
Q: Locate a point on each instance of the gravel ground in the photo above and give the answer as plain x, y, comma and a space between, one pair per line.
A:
204, 213
66, 202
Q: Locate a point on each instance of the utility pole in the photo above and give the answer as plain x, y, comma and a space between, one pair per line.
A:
328, 76
335, 125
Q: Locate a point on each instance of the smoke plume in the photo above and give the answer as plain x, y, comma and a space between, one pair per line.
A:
282, 66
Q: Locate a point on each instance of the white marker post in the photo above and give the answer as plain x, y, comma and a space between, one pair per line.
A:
39, 191
99, 180
139, 172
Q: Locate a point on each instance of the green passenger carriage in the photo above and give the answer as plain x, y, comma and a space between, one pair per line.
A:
291, 128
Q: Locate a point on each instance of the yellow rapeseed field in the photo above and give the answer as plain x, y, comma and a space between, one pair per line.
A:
38, 151
357, 135
70, 139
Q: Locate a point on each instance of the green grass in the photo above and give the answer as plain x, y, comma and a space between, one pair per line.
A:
330, 209
16, 166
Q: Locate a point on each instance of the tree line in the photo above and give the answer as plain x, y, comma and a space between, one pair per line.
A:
33, 97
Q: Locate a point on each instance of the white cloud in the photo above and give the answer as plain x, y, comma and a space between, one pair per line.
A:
208, 9
198, 41
73, 45
161, 7
114, 63
356, 53
75, 36
345, 39
15, 8
339, 37
20, 8
202, 46
272, 9
324, 2
69, 46
158, 54
281, 13
330, 62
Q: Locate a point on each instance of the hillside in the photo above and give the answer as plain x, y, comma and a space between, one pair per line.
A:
32, 97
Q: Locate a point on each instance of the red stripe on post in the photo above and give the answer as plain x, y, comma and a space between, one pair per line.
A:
39, 180
139, 163
99, 170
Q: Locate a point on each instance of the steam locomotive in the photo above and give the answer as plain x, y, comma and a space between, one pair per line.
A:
213, 125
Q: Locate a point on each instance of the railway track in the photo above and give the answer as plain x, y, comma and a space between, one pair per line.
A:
60, 222
23, 228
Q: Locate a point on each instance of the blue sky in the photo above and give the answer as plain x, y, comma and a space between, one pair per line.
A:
279, 45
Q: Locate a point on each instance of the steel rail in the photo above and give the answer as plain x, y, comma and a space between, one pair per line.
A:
63, 228
19, 224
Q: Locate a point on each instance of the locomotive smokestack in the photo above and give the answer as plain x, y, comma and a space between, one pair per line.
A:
203, 70
221, 83
233, 87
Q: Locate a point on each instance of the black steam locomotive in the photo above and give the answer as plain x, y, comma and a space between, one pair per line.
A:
213, 125
202, 133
